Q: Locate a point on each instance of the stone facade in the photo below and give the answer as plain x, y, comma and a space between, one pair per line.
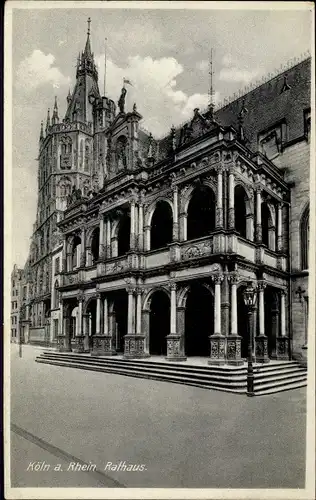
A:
156, 239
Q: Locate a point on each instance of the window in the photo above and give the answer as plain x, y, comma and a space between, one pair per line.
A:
13, 283
304, 230
57, 265
24, 292
270, 141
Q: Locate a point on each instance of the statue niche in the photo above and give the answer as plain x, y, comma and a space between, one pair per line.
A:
120, 153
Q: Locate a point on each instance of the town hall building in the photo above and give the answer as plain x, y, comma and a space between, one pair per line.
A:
143, 247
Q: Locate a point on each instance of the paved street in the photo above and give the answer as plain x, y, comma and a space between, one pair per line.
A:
184, 436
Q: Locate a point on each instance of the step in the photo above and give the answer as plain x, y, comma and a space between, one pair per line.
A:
279, 375
152, 367
138, 362
152, 376
273, 390
152, 370
279, 383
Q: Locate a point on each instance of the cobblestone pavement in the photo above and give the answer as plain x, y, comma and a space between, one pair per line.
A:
183, 436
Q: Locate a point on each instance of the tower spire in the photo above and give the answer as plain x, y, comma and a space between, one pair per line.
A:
47, 121
87, 50
211, 92
55, 118
42, 131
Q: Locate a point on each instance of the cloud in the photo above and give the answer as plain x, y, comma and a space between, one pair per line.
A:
38, 69
202, 65
155, 90
227, 60
237, 75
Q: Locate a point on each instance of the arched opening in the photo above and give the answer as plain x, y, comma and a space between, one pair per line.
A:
199, 320
304, 230
91, 317
75, 254
268, 228
242, 322
271, 319
240, 199
159, 323
123, 235
201, 213
121, 149
95, 242
119, 321
161, 226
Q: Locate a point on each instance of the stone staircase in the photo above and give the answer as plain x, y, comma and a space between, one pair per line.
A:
268, 378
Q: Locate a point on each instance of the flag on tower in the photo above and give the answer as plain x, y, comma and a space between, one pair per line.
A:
127, 82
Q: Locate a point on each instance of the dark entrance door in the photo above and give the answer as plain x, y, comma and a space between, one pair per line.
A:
199, 321
271, 319
159, 325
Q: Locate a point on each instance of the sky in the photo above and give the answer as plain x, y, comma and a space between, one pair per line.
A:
163, 52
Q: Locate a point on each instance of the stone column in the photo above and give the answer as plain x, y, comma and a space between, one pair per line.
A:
133, 216
175, 230
79, 339
183, 226
282, 341
108, 238
141, 227
134, 346
258, 221
217, 340
231, 200
64, 344
86, 345
219, 199
101, 240
83, 248
64, 255
147, 237
105, 316
173, 339
234, 340
98, 315
280, 228
261, 341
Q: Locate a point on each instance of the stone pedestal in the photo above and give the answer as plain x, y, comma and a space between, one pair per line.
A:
63, 343
233, 353
282, 348
102, 345
217, 355
79, 343
134, 346
261, 349
174, 348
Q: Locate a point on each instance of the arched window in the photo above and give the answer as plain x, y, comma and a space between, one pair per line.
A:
161, 226
76, 252
95, 241
123, 235
56, 295
268, 227
81, 154
304, 230
240, 211
201, 213
120, 152
87, 155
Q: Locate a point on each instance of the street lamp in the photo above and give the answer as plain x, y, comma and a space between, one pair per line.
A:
250, 297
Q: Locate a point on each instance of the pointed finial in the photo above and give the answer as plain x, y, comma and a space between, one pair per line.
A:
173, 137
69, 96
211, 104
89, 22
135, 108
48, 119
55, 118
150, 147
42, 131
241, 114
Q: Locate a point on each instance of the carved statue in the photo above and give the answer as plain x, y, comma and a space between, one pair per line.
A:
121, 101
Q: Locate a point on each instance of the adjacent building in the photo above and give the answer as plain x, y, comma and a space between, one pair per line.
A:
144, 246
